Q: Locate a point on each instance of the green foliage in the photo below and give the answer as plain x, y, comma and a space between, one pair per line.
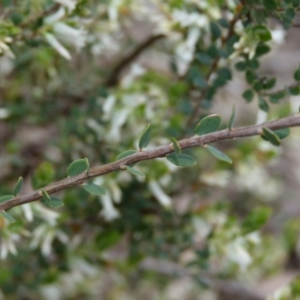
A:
18, 186
145, 138
208, 124
181, 160
70, 92
77, 166
94, 189
135, 171
218, 154
7, 216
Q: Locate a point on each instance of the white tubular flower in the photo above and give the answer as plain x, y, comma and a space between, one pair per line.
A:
53, 41
4, 48
7, 244
109, 212
27, 212
159, 194
69, 4
4, 113
69, 35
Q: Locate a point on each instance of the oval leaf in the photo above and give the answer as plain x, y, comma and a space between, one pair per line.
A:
232, 118
134, 171
208, 124
145, 139
125, 154
218, 154
182, 160
282, 133
6, 197
18, 186
176, 146
94, 189
77, 167
46, 196
7, 216
53, 203
270, 136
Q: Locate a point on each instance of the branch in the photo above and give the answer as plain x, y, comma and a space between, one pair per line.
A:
159, 152
212, 69
125, 61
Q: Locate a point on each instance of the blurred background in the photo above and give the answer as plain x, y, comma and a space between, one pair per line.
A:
84, 79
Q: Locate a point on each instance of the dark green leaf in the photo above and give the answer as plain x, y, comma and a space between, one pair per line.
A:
7, 216
269, 83
208, 124
282, 133
270, 136
204, 58
176, 146
6, 197
263, 105
232, 118
77, 167
256, 219
181, 160
297, 74
279, 95
262, 49
94, 189
270, 4
257, 85
250, 76
18, 186
218, 154
248, 95
225, 74
145, 138
215, 30
125, 154
262, 33
134, 171
240, 66
294, 91
253, 64
53, 203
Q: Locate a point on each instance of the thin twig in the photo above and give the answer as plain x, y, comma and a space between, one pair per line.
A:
125, 61
161, 151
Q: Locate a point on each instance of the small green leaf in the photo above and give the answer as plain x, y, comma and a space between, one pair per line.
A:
250, 76
46, 195
125, 154
294, 90
145, 139
269, 83
94, 189
256, 219
297, 74
77, 167
262, 32
88, 166
218, 154
215, 30
18, 186
53, 203
176, 146
134, 171
240, 66
270, 136
7, 216
208, 124
261, 50
232, 117
263, 105
181, 160
282, 133
6, 197
270, 4
248, 95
